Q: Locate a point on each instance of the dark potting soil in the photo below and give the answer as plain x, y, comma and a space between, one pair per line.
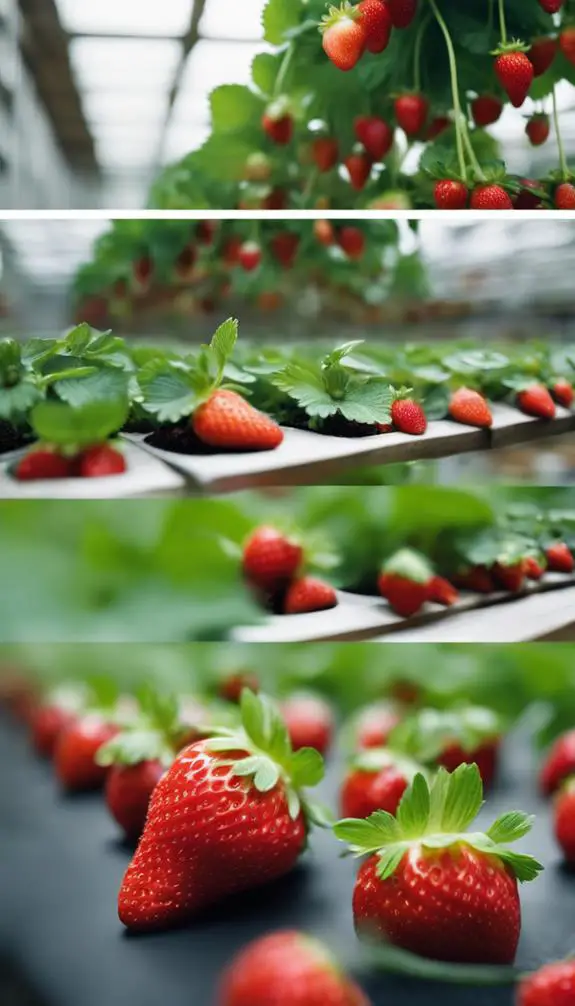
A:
336, 426
11, 439
181, 439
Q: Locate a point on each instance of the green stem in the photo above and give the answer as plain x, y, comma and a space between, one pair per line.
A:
490, 15
502, 24
417, 54
454, 89
471, 154
63, 375
562, 158
283, 71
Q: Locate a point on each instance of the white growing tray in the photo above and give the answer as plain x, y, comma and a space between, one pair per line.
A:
357, 617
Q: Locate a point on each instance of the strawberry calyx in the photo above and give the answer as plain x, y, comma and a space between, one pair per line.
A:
426, 734
155, 734
279, 108
409, 565
336, 14
436, 817
515, 45
377, 759
270, 758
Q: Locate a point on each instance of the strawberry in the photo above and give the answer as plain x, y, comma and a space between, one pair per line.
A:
441, 591
538, 128
226, 817
287, 968
271, 559
411, 111
428, 886
436, 127
452, 737
359, 168
526, 198
486, 109
565, 196
510, 577
309, 594
559, 558
325, 153
559, 763
277, 124
324, 232
310, 722
128, 792
232, 250
376, 780
563, 393
258, 168
567, 43
376, 23
98, 461
408, 417
50, 718
475, 578
551, 6
231, 686
552, 985
375, 134
490, 197
284, 248
486, 757
536, 401
185, 263
404, 581
451, 195
402, 12
374, 724
206, 231
143, 271
227, 421
351, 240
534, 569
542, 53
515, 74
344, 36
75, 753
276, 200
43, 463
469, 407
249, 255
564, 814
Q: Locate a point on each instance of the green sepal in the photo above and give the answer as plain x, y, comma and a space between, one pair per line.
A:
410, 565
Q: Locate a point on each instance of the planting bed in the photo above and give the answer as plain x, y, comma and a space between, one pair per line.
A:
61, 864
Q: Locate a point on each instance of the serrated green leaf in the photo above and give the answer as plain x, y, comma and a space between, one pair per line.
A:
278, 18
304, 383
104, 384
265, 68
367, 401
413, 811
463, 799
16, 402
223, 343
510, 827
60, 424
234, 106
170, 396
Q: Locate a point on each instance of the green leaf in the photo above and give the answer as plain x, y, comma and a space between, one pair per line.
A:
105, 384
170, 395
234, 106
16, 402
93, 423
463, 799
374, 833
471, 361
510, 827
413, 810
367, 401
278, 18
255, 719
307, 768
265, 68
223, 343
304, 383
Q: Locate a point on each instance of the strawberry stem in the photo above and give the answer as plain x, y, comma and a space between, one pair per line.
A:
283, 70
417, 54
471, 154
562, 158
490, 13
502, 23
454, 89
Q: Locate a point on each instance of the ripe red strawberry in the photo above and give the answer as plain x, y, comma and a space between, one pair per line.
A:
475, 578
287, 968
441, 591
451, 195
486, 109
231, 687
402, 12
404, 582
226, 817
185, 263
376, 780
375, 134
469, 407
515, 74
534, 569
276, 200
324, 232
351, 240
559, 557
551, 6
75, 753
453, 737
325, 153
565, 196
343, 36
510, 577
425, 890
279, 129
526, 198
542, 53
227, 421
563, 393
552, 985
285, 247
249, 255
536, 401
374, 724
376, 23
486, 757
411, 111
408, 417
309, 594
143, 271
231, 251
98, 461
128, 792
564, 815
206, 231
271, 559
490, 197
437, 126
537, 129
359, 167
50, 719
567, 43
559, 763
43, 463
310, 722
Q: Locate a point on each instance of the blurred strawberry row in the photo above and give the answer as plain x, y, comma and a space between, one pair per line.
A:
215, 792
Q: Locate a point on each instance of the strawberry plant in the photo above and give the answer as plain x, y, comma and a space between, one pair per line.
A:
430, 72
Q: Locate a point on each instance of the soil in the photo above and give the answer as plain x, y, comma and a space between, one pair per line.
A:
337, 426
11, 439
181, 439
